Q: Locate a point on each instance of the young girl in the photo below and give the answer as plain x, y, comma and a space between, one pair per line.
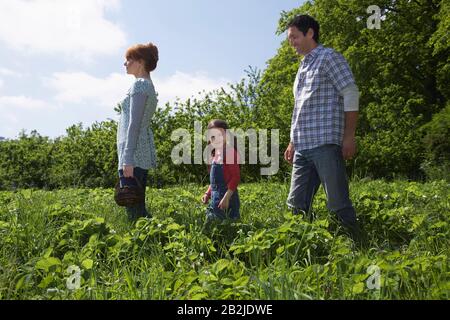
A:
224, 174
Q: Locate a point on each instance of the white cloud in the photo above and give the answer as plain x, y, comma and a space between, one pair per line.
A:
9, 73
81, 97
78, 29
183, 85
11, 103
80, 87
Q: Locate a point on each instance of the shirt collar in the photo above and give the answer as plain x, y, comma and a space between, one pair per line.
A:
313, 53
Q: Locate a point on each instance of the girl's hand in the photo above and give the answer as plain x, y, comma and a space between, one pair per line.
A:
128, 171
224, 203
205, 198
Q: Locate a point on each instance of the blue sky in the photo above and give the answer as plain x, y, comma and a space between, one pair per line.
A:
61, 61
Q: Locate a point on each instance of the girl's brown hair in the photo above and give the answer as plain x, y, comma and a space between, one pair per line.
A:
147, 52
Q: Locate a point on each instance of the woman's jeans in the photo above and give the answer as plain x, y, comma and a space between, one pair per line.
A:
325, 165
139, 210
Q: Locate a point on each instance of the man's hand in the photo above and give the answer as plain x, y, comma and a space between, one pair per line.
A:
349, 148
349, 143
289, 153
128, 171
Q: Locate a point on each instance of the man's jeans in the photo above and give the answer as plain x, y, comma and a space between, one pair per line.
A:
325, 165
139, 210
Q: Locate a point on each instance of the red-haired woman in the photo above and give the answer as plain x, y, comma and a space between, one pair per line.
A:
135, 143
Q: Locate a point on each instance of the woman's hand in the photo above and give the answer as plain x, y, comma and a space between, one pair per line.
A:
128, 171
205, 198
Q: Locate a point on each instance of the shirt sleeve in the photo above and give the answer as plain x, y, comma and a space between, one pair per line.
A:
137, 108
235, 176
338, 71
233, 172
351, 98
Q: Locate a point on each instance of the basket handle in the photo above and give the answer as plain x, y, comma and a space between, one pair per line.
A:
137, 181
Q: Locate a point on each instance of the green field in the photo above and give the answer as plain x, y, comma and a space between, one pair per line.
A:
269, 254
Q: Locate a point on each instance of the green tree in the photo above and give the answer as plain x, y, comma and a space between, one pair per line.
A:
437, 146
399, 70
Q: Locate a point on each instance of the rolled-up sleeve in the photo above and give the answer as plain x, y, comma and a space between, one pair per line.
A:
351, 98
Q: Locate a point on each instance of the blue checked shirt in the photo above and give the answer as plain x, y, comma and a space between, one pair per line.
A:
318, 116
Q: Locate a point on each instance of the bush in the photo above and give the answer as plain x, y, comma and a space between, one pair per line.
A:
437, 146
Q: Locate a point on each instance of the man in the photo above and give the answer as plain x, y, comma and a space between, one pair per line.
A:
323, 125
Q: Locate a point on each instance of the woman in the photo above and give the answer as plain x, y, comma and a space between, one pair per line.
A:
135, 144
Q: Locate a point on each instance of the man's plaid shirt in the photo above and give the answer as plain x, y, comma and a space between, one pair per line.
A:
318, 116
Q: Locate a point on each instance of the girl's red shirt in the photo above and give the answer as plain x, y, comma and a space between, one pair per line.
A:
231, 169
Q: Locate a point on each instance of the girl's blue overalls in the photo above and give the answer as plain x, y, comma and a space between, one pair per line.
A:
218, 190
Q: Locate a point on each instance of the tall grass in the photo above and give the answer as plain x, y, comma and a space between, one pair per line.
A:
268, 254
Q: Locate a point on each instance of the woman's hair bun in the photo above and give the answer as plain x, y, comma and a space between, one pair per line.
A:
147, 52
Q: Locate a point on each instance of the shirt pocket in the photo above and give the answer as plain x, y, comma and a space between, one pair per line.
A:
312, 80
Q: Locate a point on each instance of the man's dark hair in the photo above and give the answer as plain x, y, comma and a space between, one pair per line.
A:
303, 23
